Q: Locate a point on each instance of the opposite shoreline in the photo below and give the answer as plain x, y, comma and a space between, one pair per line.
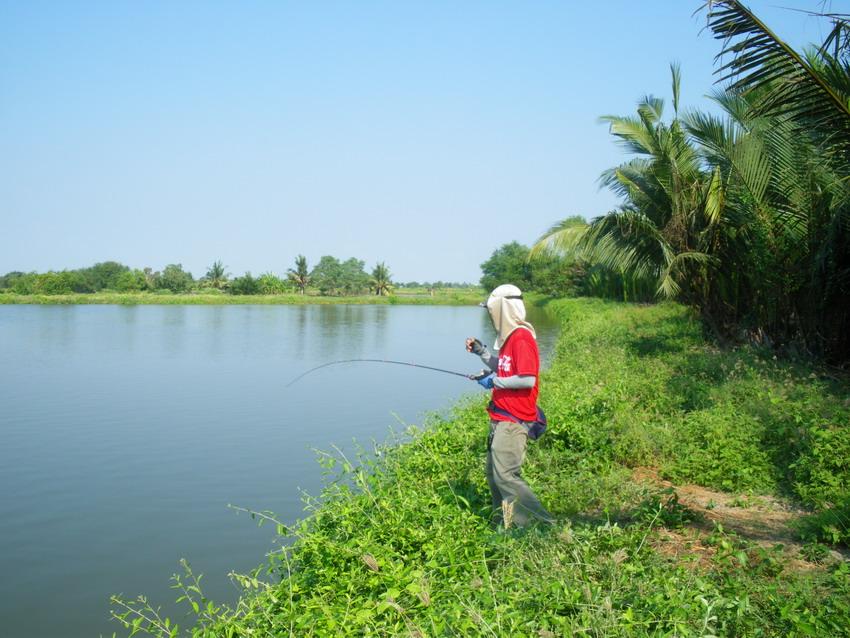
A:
439, 298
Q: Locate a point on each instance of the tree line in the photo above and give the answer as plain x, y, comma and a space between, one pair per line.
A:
329, 276
562, 276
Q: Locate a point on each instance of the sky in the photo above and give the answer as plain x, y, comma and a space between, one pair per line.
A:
421, 134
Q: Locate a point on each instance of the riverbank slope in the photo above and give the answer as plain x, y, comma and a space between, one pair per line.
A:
639, 407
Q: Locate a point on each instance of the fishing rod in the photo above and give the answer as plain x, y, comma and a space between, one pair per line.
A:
401, 363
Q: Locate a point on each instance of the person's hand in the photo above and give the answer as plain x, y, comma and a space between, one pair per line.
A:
486, 382
475, 346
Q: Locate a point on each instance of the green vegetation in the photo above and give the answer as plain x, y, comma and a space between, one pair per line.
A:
554, 276
300, 275
745, 218
399, 543
217, 276
470, 295
558, 276
381, 279
346, 282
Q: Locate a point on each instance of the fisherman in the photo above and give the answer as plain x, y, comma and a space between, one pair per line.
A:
512, 375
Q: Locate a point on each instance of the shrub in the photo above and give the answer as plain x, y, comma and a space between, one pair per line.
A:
721, 447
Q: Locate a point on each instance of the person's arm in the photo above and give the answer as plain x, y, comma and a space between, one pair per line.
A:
476, 347
516, 382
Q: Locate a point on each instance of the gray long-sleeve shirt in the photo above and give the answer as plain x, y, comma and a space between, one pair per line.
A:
516, 382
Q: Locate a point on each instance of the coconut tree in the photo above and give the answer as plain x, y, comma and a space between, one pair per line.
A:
672, 226
217, 276
744, 217
811, 88
381, 279
805, 100
300, 275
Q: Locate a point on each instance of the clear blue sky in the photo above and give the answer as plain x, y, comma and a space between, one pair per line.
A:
424, 134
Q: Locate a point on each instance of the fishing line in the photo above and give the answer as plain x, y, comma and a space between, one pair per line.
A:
401, 363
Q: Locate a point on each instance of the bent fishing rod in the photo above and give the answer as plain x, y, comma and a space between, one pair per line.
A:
401, 363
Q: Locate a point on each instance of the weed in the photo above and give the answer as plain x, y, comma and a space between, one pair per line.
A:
664, 508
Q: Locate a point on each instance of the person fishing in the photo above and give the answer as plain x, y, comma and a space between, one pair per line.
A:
512, 375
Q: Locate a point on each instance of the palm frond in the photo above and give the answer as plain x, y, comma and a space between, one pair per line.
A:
669, 285
632, 133
564, 238
759, 58
715, 199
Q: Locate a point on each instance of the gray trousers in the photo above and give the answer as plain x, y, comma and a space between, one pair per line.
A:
505, 454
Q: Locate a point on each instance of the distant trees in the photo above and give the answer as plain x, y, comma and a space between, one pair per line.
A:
104, 275
131, 281
245, 285
354, 278
217, 276
93, 279
547, 274
175, 279
507, 265
330, 277
381, 279
333, 277
49, 283
270, 284
326, 275
7, 280
300, 275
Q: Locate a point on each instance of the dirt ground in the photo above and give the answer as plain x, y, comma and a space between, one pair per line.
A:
760, 520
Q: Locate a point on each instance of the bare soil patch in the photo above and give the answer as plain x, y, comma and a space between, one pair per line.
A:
765, 521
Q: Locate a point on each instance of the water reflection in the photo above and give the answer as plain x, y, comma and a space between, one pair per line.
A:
173, 338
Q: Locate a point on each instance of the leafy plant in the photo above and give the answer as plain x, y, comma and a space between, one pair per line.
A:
664, 508
831, 526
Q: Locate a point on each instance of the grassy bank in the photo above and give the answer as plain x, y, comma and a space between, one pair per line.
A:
401, 545
447, 296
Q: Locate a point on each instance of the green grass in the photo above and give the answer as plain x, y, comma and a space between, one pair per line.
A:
399, 543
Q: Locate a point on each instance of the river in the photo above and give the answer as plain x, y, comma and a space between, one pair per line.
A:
127, 431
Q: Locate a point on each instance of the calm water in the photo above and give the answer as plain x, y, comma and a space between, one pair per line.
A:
127, 430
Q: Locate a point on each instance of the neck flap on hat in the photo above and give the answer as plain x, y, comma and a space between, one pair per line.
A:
507, 313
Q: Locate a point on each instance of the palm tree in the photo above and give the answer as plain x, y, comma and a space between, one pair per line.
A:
805, 101
380, 279
810, 88
300, 275
672, 226
216, 275
746, 218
